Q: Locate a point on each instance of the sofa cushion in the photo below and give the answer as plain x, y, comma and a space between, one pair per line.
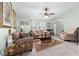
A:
15, 35
23, 35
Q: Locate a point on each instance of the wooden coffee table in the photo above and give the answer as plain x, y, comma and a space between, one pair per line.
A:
46, 40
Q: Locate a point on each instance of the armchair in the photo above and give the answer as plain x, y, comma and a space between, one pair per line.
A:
21, 43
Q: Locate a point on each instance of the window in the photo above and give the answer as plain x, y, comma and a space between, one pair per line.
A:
39, 25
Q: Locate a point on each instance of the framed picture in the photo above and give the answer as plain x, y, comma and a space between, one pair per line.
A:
6, 15
24, 22
9, 15
21, 22
1, 14
14, 18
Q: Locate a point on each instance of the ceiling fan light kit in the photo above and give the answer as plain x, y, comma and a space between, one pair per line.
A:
47, 13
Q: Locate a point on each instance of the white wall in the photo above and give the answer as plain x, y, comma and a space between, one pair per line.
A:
71, 19
26, 28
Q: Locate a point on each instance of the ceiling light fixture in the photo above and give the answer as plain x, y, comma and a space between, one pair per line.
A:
46, 13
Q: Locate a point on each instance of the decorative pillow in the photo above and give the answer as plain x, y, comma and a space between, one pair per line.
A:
15, 35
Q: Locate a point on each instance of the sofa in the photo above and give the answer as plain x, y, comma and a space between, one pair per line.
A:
21, 43
38, 33
69, 36
18, 35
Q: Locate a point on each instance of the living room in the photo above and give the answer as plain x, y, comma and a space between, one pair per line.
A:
39, 28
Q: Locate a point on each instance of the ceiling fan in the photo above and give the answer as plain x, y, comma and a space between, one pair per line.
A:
47, 13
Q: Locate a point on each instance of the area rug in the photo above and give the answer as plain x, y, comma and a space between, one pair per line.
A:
38, 46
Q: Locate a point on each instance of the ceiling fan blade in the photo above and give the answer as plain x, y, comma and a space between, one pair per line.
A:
51, 13
46, 13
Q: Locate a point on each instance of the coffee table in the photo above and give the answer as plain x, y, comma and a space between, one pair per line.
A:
44, 38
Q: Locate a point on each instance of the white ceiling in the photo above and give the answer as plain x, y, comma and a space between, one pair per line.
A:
34, 9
